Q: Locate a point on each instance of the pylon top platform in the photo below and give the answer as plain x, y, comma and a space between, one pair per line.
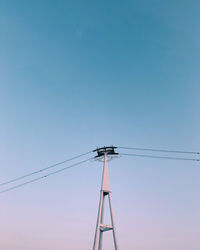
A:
110, 151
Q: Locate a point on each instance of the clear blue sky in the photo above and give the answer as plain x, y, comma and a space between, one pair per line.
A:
75, 75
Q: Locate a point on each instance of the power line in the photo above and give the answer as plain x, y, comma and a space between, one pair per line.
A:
78, 156
160, 150
161, 157
44, 176
43, 169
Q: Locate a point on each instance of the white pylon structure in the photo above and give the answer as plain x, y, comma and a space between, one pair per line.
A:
101, 228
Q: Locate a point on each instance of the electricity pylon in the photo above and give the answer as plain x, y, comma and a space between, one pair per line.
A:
105, 191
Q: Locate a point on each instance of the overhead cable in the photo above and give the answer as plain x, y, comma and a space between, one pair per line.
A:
160, 150
43, 169
44, 176
161, 157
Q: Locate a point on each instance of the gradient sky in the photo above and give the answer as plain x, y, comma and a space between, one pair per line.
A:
75, 75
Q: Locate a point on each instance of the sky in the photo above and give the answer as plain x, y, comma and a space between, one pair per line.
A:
76, 75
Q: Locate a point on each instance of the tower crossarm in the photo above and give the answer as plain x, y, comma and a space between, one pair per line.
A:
110, 151
104, 227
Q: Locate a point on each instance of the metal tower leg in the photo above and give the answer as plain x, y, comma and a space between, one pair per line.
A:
101, 221
101, 227
113, 223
